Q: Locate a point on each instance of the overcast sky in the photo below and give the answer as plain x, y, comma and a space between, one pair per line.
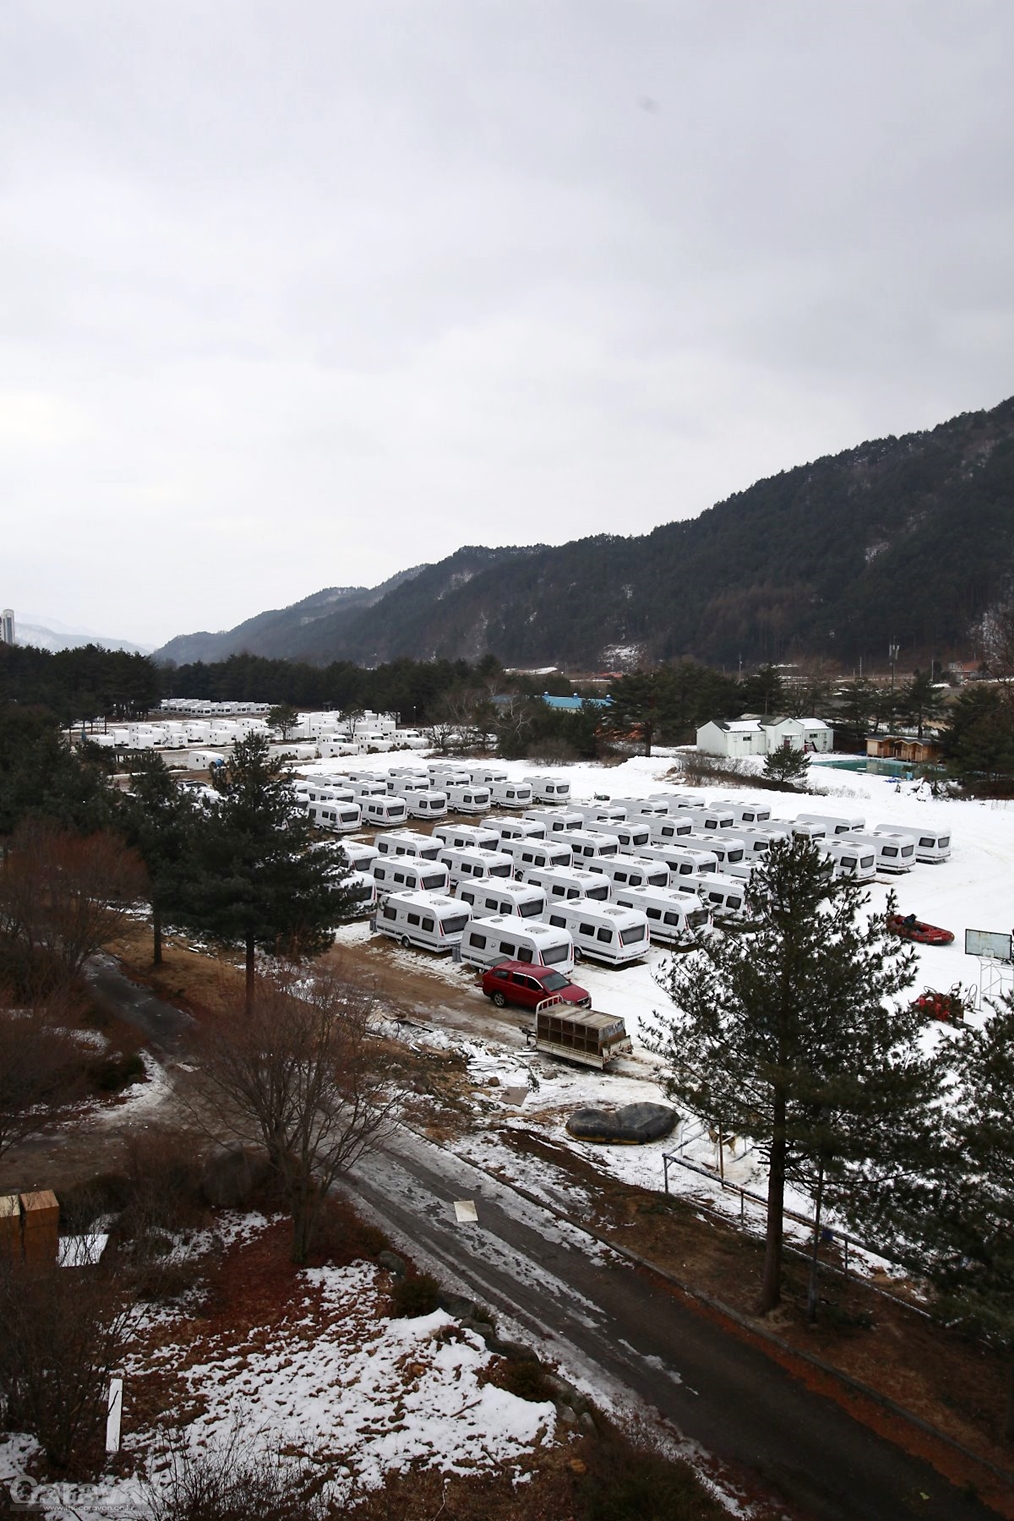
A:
300, 294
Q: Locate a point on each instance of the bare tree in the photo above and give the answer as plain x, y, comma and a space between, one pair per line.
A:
64, 1334
301, 1074
63, 895
994, 637
40, 1066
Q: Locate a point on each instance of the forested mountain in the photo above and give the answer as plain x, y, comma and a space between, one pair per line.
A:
901, 540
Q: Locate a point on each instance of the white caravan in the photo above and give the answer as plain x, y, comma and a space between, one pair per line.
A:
599, 812
340, 818
383, 812
556, 820
755, 844
408, 774
476, 865
409, 842
443, 774
560, 883
410, 874
485, 776
682, 860
515, 829
630, 871
537, 855
711, 818
364, 890
724, 896
507, 794
521, 899
467, 837
590, 845
603, 931
895, 853
834, 823
743, 813
670, 827
359, 855
465, 797
931, 845
810, 831
730, 851
505, 937
642, 807
675, 802
428, 920
630, 835
850, 860
548, 789
673, 917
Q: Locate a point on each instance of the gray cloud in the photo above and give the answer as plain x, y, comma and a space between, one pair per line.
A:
301, 294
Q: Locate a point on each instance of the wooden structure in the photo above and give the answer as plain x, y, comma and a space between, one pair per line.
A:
30, 1225
917, 752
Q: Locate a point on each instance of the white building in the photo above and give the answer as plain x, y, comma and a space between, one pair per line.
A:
7, 626
762, 736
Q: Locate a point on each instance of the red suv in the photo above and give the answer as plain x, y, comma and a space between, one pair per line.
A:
517, 982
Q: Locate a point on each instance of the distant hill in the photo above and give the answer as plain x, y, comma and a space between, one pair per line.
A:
55, 636
901, 540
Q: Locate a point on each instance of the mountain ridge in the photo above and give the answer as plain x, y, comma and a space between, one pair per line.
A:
896, 540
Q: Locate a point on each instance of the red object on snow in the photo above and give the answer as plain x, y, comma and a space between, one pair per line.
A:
910, 928
950, 1007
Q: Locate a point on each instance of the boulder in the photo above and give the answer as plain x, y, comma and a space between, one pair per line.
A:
630, 1125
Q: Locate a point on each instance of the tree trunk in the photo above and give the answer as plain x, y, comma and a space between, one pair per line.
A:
811, 1293
156, 934
249, 972
771, 1287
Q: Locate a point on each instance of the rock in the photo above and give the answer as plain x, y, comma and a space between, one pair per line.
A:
461, 1309
566, 1415
587, 1422
631, 1125
392, 1262
231, 1174
492, 1082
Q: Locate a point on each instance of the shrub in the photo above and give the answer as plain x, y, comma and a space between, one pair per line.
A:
229, 1484
416, 1294
628, 1481
525, 1378
117, 1072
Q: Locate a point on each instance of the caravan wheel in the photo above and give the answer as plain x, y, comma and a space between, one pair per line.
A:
405, 943
577, 954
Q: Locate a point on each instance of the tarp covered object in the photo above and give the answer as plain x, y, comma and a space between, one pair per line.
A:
630, 1126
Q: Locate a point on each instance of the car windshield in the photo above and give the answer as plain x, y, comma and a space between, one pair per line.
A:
554, 982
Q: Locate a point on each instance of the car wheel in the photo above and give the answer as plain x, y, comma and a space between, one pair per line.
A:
406, 943
499, 1000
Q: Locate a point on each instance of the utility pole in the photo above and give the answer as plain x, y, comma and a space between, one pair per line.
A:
893, 651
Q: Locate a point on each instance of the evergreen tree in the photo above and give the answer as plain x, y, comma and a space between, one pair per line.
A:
283, 716
763, 691
258, 877
921, 702
782, 1035
641, 705
162, 823
952, 1218
979, 740
787, 764
42, 777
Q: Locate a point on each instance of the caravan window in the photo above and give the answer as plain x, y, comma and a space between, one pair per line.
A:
575, 892
889, 850
479, 941
619, 876
427, 925
525, 953
413, 918
389, 913
866, 861
669, 918
849, 861
453, 925
500, 871
554, 953
467, 897
631, 936
605, 935
430, 882
586, 929
494, 905
558, 921
508, 949
530, 910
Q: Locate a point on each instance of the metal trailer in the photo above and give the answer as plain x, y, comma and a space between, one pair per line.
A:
577, 1035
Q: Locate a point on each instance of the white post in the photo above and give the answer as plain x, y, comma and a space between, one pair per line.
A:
114, 1411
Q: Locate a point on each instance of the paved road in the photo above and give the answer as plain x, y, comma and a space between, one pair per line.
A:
160, 1023
623, 1328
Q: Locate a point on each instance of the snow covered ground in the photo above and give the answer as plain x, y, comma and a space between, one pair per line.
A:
974, 889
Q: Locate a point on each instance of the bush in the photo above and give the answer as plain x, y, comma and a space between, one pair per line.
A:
787, 765
117, 1072
228, 1484
626, 1481
525, 1378
416, 1294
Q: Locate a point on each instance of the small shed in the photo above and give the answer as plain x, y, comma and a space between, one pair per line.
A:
734, 736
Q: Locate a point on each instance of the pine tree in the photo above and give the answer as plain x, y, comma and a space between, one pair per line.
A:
921, 702
787, 764
783, 1035
162, 824
258, 878
952, 1217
